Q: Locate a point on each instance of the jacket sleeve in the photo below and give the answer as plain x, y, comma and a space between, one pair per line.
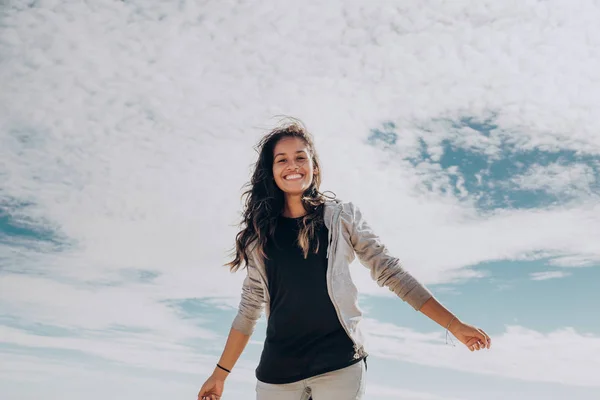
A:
251, 303
386, 270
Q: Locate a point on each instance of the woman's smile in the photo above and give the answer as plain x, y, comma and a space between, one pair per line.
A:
293, 177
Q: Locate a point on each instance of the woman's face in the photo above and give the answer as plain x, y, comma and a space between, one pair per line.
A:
293, 167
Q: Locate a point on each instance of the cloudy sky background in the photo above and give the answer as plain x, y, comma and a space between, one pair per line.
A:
466, 131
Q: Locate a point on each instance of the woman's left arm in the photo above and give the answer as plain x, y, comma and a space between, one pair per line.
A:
387, 271
471, 336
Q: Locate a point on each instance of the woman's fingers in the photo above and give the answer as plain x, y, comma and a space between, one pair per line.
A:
203, 394
488, 339
471, 343
476, 344
481, 336
476, 339
483, 339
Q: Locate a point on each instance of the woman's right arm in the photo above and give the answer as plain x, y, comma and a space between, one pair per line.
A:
213, 387
250, 308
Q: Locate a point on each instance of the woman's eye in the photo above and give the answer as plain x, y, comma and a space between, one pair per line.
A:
281, 160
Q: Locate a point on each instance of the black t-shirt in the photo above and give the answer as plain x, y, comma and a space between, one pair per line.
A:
304, 335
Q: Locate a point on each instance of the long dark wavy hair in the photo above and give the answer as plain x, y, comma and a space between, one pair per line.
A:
265, 200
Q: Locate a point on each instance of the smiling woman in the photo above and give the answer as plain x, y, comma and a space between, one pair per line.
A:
297, 245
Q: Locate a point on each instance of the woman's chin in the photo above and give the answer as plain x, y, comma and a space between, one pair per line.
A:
294, 190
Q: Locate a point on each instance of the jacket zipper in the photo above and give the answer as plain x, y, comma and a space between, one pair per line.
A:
334, 237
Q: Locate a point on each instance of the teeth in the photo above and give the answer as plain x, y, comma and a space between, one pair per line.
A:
293, 176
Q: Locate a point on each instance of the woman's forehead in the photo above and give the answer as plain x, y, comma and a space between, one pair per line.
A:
290, 145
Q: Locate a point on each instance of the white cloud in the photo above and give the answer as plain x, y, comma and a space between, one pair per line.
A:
437, 242
139, 352
124, 149
558, 179
567, 356
545, 275
582, 260
24, 377
135, 306
131, 349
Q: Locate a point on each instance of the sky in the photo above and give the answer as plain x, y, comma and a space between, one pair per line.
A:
466, 131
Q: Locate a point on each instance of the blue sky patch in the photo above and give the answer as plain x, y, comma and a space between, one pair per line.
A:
494, 181
16, 226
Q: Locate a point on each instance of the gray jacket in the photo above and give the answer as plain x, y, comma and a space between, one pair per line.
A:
349, 235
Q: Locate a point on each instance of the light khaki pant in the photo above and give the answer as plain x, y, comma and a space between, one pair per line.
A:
343, 384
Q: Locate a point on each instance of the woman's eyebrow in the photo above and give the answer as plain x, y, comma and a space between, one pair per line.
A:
283, 154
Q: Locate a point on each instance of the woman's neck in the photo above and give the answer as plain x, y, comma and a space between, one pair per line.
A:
293, 207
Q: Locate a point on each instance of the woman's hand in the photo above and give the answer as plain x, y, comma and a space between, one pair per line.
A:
212, 388
471, 336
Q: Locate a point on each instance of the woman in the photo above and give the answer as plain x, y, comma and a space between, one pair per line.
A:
297, 245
